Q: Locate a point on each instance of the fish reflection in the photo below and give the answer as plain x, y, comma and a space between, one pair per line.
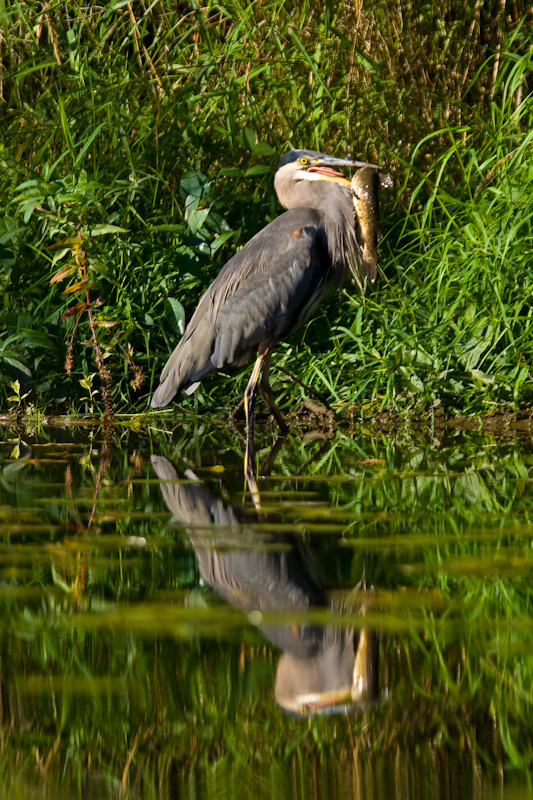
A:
323, 669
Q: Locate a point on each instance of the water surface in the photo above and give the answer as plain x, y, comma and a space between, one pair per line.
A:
362, 629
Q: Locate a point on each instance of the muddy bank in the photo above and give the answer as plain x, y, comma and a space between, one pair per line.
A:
311, 420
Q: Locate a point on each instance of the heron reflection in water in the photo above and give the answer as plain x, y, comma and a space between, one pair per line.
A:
274, 283
323, 669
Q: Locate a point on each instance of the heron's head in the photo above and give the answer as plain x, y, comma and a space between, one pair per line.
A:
305, 177
308, 165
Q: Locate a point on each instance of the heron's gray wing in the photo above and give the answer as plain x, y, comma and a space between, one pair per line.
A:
273, 303
263, 293
258, 255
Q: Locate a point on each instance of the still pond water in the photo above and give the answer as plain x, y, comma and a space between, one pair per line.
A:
362, 629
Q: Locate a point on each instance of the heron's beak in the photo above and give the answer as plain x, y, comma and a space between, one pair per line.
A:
322, 169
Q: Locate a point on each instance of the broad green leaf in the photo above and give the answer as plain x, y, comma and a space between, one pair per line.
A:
220, 240
197, 218
175, 315
100, 230
166, 228
257, 169
194, 187
248, 139
263, 149
18, 365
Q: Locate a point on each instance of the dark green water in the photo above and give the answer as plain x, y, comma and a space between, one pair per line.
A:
366, 630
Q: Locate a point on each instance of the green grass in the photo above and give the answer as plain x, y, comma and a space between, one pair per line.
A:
137, 150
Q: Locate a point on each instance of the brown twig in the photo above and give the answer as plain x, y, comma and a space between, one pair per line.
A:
103, 372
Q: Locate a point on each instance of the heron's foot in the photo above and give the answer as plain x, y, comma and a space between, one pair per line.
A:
238, 414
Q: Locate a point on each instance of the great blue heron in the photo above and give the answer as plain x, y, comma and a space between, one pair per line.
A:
273, 284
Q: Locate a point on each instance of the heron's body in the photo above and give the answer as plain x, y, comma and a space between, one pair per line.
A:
272, 285
267, 290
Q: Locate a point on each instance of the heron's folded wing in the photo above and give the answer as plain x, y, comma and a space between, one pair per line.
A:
266, 290
272, 303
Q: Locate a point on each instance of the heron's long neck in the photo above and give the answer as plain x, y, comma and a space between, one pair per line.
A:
336, 204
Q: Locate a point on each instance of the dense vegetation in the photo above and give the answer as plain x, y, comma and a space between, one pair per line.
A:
137, 148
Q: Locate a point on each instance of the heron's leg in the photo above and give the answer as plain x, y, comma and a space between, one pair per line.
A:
251, 480
249, 396
265, 469
267, 395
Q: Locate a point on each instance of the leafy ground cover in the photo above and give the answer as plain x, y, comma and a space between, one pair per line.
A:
137, 149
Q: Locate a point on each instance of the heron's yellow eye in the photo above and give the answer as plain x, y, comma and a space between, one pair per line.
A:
304, 160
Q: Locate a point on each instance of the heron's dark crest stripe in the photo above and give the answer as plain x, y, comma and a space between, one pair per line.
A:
296, 155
